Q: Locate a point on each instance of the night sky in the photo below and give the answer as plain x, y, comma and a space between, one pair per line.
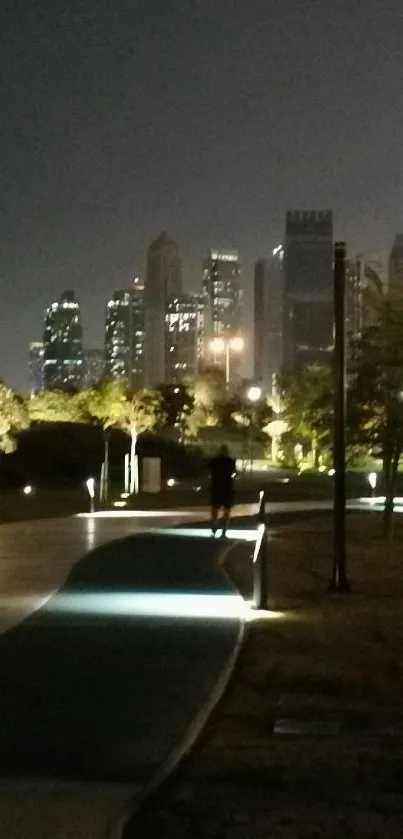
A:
205, 117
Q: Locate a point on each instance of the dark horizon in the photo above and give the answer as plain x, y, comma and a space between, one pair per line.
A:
208, 120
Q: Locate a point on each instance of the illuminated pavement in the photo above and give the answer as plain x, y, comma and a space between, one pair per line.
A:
104, 680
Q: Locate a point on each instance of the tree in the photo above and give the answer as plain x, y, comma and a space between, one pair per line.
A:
376, 395
307, 400
54, 406
209, 391
103, 403
139, 411
13, 418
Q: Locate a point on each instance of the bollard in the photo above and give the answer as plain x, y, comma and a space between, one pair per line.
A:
260, 559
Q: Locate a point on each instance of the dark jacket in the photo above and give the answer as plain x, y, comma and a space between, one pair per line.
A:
222, 472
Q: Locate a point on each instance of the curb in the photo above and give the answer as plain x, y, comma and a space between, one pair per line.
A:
194, 730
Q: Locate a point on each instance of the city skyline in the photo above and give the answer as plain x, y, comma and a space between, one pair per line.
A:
102, 147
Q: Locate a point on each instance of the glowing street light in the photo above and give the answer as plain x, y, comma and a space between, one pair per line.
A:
90, 484
254, 393
227, 345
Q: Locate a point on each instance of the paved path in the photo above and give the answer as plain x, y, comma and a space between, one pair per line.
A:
89, 677
103, 680
36, 556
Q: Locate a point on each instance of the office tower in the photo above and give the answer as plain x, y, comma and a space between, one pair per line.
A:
62, 342
93, 367
308, 289
396, 265
183, 337
268, 319
35, 366
222, 297
124, 336
163, 281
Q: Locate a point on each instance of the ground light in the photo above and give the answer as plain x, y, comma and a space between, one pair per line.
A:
235, 534
185, 605
372, 480
138, 514
90, 484
380, 500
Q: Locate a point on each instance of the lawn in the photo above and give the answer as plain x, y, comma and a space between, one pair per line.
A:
308, 740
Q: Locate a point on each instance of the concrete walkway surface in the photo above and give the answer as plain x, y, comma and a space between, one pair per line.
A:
104, 679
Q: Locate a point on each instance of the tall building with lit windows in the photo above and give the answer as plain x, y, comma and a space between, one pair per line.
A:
62, 344
94, 365
222, 297
163, 281
268, 319
308, 288
183, 337
124, 336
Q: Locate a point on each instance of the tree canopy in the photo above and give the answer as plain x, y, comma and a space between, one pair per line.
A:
13, 418
54, 406
376, 393
306, 398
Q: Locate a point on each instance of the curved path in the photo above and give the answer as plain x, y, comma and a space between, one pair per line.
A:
109, 667
104, 680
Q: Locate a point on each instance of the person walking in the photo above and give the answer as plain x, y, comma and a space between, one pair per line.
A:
222, 474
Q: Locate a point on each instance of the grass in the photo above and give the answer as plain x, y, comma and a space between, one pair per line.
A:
308, 741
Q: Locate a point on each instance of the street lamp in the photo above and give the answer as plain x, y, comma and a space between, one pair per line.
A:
227, 345
254, 393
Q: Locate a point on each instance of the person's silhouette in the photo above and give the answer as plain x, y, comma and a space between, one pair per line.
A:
222, 473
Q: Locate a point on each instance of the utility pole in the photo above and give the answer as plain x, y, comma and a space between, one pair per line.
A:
339, 581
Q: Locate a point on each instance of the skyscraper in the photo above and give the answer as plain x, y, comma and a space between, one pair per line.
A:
35, 366
308, 288
222, 297
93, 367
124, 336
183, 337
268, 314
163, 281
62, 343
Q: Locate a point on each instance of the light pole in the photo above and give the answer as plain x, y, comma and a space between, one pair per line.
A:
219, 346
339, 580
254, 394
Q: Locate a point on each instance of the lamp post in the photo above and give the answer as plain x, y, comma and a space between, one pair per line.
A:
339, 580
220, 346
254, 394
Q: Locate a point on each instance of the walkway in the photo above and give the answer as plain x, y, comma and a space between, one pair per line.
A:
102, 682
